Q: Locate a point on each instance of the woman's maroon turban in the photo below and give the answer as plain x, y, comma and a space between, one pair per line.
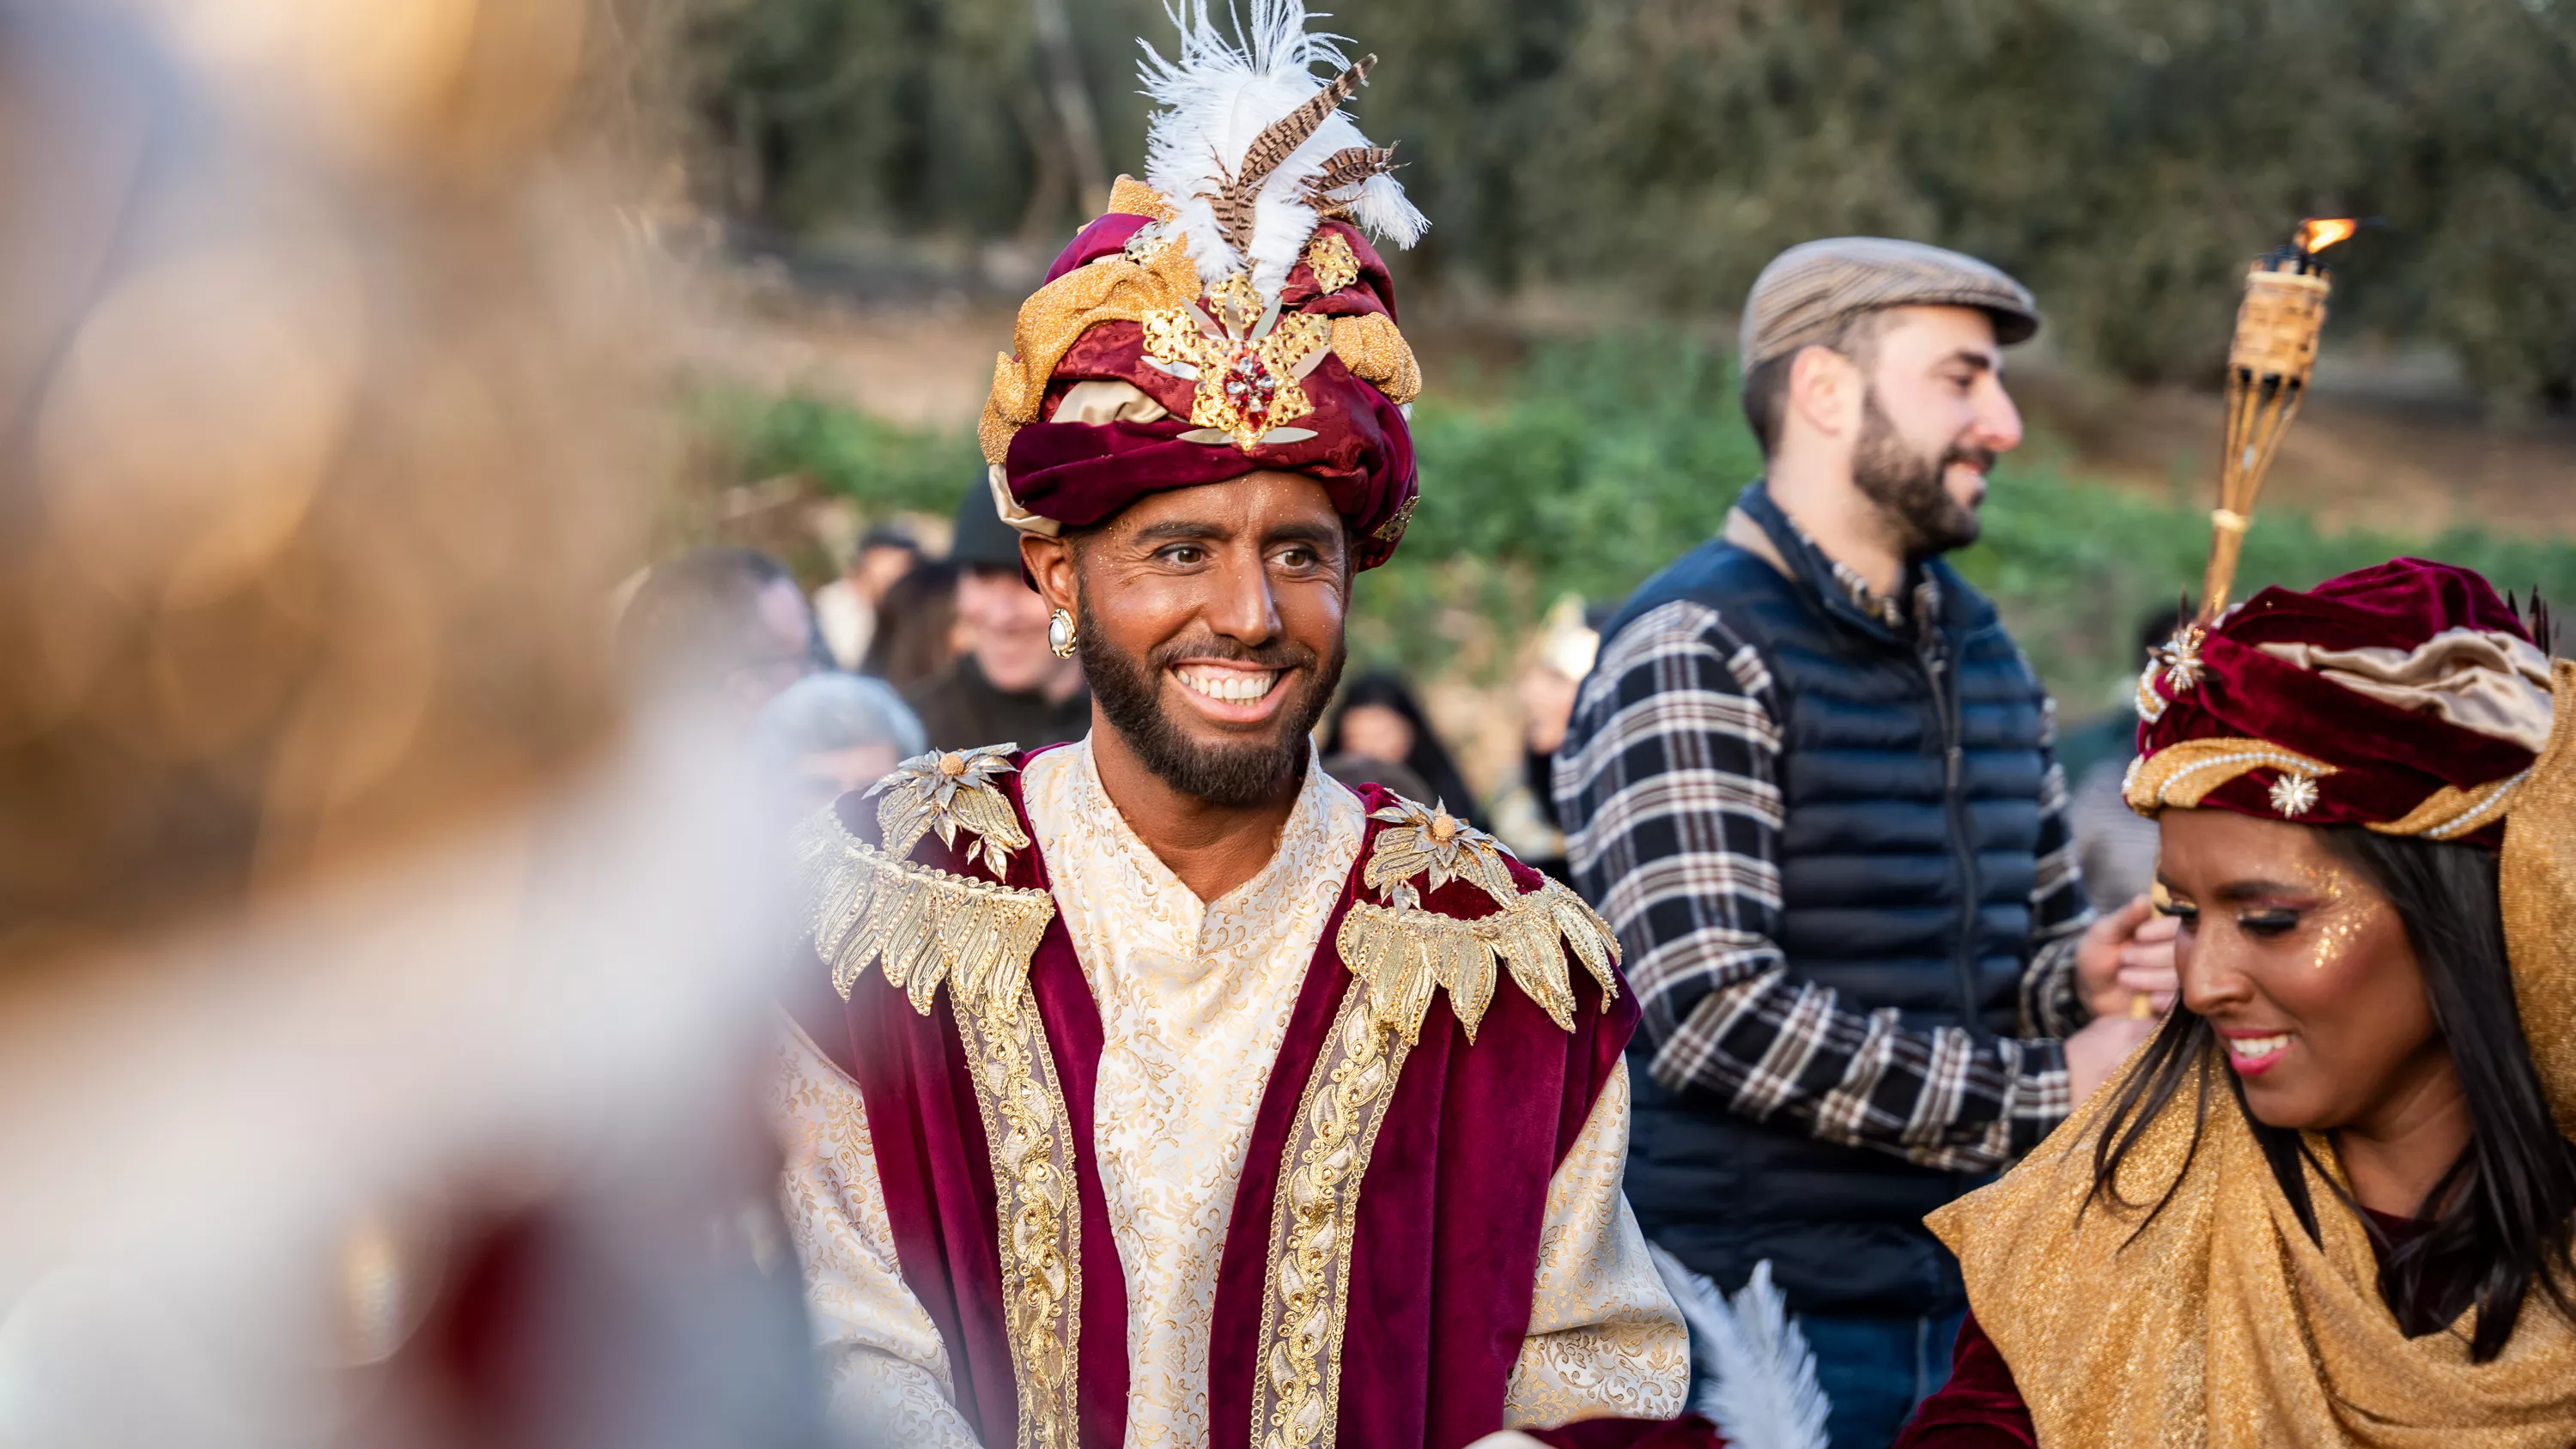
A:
2406, 697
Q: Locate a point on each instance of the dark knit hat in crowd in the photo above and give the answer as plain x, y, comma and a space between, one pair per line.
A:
982, 540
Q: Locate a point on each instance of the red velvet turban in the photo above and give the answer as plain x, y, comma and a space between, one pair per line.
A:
1129, 376
2406, 697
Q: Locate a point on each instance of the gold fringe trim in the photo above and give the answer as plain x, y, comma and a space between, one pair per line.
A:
1402, 955
923, 925
2178, 776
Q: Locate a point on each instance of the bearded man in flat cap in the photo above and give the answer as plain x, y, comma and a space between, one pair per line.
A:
1136, 1078
1809, 783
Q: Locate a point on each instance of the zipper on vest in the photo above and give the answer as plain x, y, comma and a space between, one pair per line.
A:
1940, 668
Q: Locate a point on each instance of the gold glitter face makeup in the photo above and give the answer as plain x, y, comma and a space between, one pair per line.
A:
2300, 967
2347, 912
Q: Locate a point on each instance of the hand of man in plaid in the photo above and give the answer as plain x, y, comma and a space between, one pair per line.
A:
2126, 955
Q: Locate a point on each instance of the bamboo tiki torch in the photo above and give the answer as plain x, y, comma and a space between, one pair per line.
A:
2268, 363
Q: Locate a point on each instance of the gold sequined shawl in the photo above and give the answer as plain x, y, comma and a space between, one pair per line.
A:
2222, 1323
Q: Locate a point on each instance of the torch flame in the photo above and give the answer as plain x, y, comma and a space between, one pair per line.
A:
2318, 233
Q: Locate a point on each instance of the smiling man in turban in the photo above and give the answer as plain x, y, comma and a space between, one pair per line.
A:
1156, 1088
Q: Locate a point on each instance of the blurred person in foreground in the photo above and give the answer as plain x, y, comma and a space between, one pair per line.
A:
725, 624
1809, 782
845, 610
917, 634
2114, 846
1379, 718
1180, 970
1009, 684
379, 999
2333, 1201
830, 733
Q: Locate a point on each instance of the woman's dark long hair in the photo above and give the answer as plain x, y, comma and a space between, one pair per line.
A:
2500, 1221
1429, 759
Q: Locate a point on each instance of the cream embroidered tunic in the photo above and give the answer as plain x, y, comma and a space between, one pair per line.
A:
1194, 1001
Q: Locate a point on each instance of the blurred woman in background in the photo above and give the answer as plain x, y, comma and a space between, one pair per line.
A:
1379, 719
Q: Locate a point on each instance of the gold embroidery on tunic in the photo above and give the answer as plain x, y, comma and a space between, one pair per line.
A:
922, 924
1297, 1376
1195, 999
1022, 1104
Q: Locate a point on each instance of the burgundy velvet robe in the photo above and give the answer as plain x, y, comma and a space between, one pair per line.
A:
1445, 1257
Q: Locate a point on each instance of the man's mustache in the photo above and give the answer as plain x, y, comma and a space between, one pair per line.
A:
1277, 654
1980, 458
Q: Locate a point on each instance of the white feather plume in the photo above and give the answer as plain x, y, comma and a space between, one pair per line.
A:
1215, 97
1757, 1380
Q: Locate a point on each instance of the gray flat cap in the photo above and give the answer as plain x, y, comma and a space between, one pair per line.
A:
1811, 287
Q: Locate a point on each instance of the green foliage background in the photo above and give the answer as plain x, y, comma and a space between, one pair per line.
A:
2124, 156
1604, 460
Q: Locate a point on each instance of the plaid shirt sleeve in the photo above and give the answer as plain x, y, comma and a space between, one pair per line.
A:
1668, 785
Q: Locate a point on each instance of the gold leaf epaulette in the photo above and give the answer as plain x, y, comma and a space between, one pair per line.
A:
948, 791
1402, 951
923, 925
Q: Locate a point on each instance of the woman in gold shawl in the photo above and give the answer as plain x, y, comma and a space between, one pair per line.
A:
2330, 1202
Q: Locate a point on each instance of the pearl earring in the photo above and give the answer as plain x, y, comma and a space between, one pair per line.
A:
1060, 634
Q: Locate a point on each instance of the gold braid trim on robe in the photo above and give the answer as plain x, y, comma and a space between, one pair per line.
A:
925, 928
2221, 1324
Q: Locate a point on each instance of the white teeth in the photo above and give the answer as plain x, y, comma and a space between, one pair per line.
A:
2248, 1048
1230, 685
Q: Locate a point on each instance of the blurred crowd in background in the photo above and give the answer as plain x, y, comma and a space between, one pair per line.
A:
929, 637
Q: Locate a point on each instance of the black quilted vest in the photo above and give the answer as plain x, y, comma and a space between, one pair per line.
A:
1910, 771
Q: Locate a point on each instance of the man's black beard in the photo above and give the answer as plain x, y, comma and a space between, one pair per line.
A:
1922, 518
1129, 691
